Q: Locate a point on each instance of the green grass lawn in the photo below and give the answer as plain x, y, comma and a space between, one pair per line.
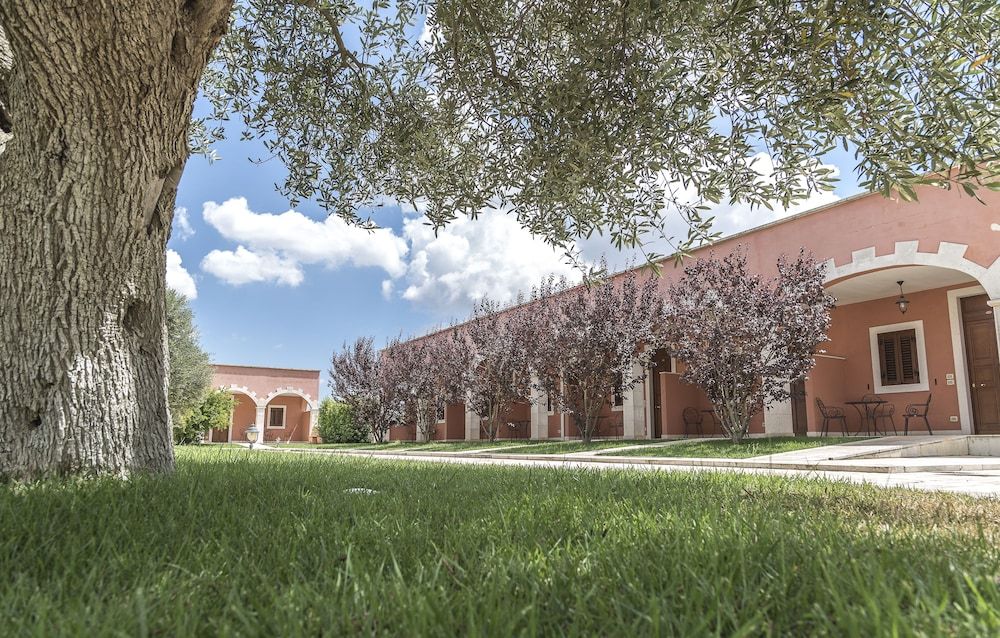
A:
431, 446
266, 544
724, 448
393, 445
458, 446
566, 447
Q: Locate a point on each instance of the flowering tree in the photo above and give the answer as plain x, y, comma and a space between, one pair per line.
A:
433, 373
501, 344
743, 338
592, 336
369, 383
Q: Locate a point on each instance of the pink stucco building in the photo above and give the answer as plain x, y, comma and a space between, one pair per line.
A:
282, 402
945, 248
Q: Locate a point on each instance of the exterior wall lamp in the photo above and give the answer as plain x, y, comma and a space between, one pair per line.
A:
902, 302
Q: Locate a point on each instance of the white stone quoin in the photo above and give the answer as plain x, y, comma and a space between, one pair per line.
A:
634, 409
778, 418
472, 424
539, 414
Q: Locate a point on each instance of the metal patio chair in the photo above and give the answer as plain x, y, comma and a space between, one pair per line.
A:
917, 411
693, 418
831, 413
883, 413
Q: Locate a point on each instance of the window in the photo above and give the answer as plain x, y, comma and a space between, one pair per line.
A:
662, 361
276, 416
440, 413
619, 399
899, 358
548, 403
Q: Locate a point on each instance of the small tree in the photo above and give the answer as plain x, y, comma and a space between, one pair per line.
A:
189, 370
433, 373
502, 355
370, 384
337, 423
744, 338
592, 338
212, 413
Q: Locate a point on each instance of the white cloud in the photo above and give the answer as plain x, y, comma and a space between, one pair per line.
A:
468, 260
427, 32
729, 220
734, 219
178, 278
387, 288
276, 246
244, 266
182, 224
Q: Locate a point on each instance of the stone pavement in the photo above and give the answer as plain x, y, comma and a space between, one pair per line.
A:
978, 476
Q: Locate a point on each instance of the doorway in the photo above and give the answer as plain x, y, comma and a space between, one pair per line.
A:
797, 390
980, 333
661, 364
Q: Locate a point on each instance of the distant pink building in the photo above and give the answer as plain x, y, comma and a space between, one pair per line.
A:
282, 402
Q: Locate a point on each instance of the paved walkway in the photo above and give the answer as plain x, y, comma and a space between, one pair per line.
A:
978, 476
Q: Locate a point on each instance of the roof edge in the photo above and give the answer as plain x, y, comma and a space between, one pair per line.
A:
258, 367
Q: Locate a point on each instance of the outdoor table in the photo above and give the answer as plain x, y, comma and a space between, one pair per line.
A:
868, 416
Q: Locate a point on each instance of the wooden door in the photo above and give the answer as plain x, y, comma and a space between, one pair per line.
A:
800, 425
983, 363
661, 364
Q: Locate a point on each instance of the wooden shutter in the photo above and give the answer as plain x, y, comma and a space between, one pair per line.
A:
898, 357
888, 346
277, 414
909, 371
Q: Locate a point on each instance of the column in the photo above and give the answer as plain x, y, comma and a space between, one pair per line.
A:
539, 414
313, 421
634, 409
472, 424
259, 422
995, 304
778, 418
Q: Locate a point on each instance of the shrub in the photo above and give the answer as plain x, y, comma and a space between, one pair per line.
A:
338, 424
212, 413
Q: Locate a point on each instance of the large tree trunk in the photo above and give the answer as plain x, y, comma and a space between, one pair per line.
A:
98, 101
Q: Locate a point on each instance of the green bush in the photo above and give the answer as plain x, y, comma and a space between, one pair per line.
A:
337, 423
212, 413
190, 371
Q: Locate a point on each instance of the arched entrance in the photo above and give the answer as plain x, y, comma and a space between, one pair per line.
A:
924, 354
287, 415
243, 416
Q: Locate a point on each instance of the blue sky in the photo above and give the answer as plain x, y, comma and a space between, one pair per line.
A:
285, 289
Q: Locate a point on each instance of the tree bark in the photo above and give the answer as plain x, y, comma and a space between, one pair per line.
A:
99, 98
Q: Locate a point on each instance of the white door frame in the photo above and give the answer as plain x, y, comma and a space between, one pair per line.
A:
958, 349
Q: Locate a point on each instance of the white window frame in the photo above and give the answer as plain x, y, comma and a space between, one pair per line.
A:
444, 414
918, 329
284, 416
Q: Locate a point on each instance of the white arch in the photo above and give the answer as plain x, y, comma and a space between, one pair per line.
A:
906, 253
242, 389
289, 391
